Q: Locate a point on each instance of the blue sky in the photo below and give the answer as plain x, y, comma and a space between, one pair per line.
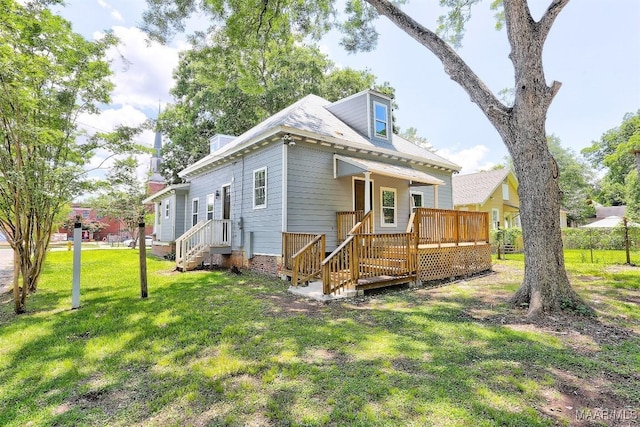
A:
593, 49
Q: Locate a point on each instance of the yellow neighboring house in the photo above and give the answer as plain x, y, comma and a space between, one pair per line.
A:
494, 191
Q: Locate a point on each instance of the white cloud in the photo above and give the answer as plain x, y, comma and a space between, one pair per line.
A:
471, 159
142, 69
117, 15
107, 121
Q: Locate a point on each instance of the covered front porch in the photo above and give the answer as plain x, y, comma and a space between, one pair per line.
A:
437, 244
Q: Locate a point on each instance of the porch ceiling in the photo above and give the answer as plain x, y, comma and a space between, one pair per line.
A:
355, 166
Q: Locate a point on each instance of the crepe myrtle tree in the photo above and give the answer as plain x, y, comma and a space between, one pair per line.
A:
545, 287
49, 76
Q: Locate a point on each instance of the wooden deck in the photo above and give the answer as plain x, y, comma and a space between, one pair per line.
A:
438, 244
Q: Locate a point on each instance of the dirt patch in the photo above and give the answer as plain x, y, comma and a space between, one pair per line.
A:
291, 305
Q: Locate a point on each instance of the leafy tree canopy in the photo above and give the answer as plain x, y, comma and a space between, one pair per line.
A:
574, 181
615, 153
48, 76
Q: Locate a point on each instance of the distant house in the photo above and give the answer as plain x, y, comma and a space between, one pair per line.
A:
314, 169
495, 192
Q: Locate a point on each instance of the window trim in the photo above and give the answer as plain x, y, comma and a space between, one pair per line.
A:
383, 207
495, 213
211, 197
263, 205
412, 201
195, 213
505, 191
167, 209
375, 120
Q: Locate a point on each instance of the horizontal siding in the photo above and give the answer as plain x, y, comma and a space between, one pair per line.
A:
353, 112
167, 224
265, 223
314, 196
209, 183
180, 203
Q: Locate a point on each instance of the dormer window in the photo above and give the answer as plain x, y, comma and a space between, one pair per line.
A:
380, 119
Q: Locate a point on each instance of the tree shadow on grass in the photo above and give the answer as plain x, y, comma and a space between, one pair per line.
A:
205, 349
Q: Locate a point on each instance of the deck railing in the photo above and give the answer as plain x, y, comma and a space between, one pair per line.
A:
199, 238
385, 254
346, 221
441, 226
363, 256
291, 244
339, 270
307, 262
364, 226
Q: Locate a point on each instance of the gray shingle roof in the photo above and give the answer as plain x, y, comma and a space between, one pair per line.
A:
310, 115
475, 188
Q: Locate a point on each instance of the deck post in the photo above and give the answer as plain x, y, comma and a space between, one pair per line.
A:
367, 192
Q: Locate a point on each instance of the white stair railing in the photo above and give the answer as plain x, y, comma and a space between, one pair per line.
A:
200, 238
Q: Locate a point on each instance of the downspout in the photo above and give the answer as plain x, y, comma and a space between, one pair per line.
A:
285, 173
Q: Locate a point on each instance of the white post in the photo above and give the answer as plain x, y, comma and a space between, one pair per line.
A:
77, 249
435, 197
367, 192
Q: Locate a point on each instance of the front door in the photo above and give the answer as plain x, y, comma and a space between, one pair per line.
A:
226, 212
358, 194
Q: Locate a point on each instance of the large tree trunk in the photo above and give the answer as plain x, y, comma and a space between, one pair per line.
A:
546, 286
522, 127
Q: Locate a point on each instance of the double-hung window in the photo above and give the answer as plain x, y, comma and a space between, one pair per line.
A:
210, 199
260, 188
495, 218
195, 206
417, 199
381, 121
388, 197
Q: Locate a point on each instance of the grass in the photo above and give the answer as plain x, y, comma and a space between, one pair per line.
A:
209, 348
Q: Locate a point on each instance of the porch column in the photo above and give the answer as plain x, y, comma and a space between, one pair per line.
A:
435, 197
367, 192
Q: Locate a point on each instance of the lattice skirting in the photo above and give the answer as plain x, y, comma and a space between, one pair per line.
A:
446, 262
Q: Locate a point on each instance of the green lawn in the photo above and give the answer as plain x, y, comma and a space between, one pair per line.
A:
211, 348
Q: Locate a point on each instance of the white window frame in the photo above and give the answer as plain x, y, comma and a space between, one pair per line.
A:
375, 120
383, 207
167, 209
212, 198
264, 204
505, 191
195, 210
495, 218
412, 200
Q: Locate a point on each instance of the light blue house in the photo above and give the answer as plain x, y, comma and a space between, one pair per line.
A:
313, 168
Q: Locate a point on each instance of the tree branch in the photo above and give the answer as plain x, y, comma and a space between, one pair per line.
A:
454, 66
547, 20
